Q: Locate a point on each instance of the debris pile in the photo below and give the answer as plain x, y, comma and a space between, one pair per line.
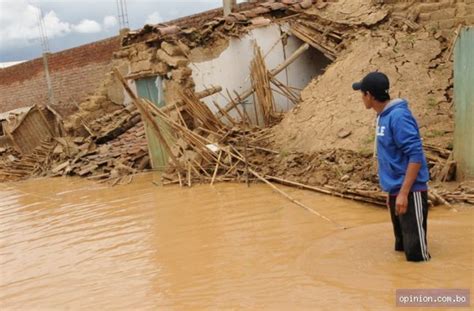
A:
209, 150
34, 164
242, 154
107, 99
205, 32
84, 157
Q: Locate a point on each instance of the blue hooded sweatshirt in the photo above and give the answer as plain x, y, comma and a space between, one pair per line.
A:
399, 143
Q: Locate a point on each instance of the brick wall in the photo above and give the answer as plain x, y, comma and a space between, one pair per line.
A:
75, 74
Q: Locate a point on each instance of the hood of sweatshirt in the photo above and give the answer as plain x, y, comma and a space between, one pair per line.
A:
394, 104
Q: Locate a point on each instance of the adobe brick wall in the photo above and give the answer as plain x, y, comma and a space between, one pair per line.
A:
447, 14
442, 15
75, 74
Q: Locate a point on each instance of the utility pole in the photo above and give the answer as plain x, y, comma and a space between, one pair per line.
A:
122, 14
46, 53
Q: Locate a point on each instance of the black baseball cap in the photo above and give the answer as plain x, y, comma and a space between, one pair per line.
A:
376, 83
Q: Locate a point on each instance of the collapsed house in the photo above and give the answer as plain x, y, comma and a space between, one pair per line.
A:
23, 129
214, 57
201, 96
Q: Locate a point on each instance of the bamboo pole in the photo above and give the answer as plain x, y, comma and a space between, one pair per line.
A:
440, 198
295, 201
325, 191
225, 113
203, 94
215, 170
300, 32
179, 179
231, 105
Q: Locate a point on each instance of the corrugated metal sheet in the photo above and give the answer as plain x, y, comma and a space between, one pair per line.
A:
464, 103
31, 132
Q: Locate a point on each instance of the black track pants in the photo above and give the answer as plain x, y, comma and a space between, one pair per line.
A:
410, 228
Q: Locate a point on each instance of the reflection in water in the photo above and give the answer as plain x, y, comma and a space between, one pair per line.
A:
69, 243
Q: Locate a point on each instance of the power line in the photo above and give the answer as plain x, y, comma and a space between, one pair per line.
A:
122, 13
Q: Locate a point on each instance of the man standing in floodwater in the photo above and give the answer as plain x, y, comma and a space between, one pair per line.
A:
402, 167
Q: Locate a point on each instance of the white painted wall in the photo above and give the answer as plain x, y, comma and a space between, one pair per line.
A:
231, 70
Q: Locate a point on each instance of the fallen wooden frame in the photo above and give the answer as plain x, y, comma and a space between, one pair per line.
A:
244, 95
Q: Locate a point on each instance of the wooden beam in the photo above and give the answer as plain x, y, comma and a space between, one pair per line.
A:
233, 103
296, 201
200, 95
146, 116
301, 33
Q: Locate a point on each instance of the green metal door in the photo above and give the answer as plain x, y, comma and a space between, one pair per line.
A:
464, 103
151, 88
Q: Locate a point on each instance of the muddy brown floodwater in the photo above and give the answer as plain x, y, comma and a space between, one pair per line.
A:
73, 244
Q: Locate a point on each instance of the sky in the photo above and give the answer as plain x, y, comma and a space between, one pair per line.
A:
70, 23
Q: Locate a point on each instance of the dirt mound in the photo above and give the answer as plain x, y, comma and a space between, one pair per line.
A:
332, 115
396, 37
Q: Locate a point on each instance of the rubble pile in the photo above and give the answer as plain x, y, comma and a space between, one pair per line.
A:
17, 167
242, 154
209, 150
78, 156
205, 32
107, 99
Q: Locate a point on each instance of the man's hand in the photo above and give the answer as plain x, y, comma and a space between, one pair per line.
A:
387, 203
401, 204
402, 198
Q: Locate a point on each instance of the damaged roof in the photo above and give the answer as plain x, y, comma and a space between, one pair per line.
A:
260, 14
14, 118
15, 112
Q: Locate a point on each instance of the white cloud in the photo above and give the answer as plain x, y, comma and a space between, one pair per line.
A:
19, 20
87, 26
110, 22
154, 18
54, 26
